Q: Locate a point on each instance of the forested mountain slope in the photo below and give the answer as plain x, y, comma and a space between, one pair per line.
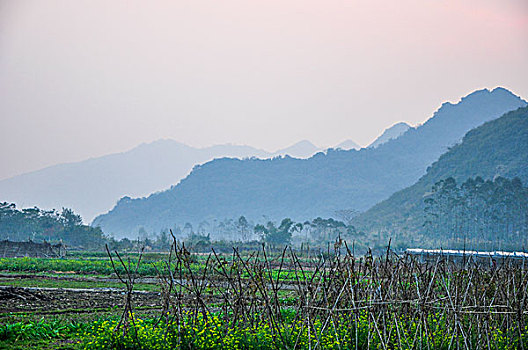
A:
307, 188
497, 148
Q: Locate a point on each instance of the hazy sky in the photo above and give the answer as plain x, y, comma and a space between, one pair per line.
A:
86, 78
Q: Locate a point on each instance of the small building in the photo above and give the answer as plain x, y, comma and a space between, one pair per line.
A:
11, 249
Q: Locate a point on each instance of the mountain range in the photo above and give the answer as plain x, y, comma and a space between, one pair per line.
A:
306, 188
93, 186
497, 148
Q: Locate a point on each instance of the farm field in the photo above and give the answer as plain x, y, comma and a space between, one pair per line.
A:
44, 303
261, 300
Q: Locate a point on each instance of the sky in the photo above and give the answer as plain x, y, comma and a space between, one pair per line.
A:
81, 79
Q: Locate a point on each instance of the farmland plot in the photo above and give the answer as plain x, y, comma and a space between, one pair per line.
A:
299, 300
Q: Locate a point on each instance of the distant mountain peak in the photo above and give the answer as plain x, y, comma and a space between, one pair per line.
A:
505, 92
390, 133
161, 143
301, 149
348, 145
483, 93
304, 143
501, 89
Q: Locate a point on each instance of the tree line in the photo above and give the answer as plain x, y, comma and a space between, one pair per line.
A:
491, 213
48, 225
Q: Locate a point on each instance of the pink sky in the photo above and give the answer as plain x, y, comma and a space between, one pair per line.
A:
85, 78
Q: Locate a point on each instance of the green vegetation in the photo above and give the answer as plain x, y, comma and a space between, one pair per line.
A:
270, 299
214, 332
41, 334
278, 235
38, 225
83, 266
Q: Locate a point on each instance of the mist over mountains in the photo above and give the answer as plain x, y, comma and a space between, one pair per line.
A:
93, 186
306, 188
496, 149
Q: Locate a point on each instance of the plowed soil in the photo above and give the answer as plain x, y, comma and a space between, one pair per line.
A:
59, 300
